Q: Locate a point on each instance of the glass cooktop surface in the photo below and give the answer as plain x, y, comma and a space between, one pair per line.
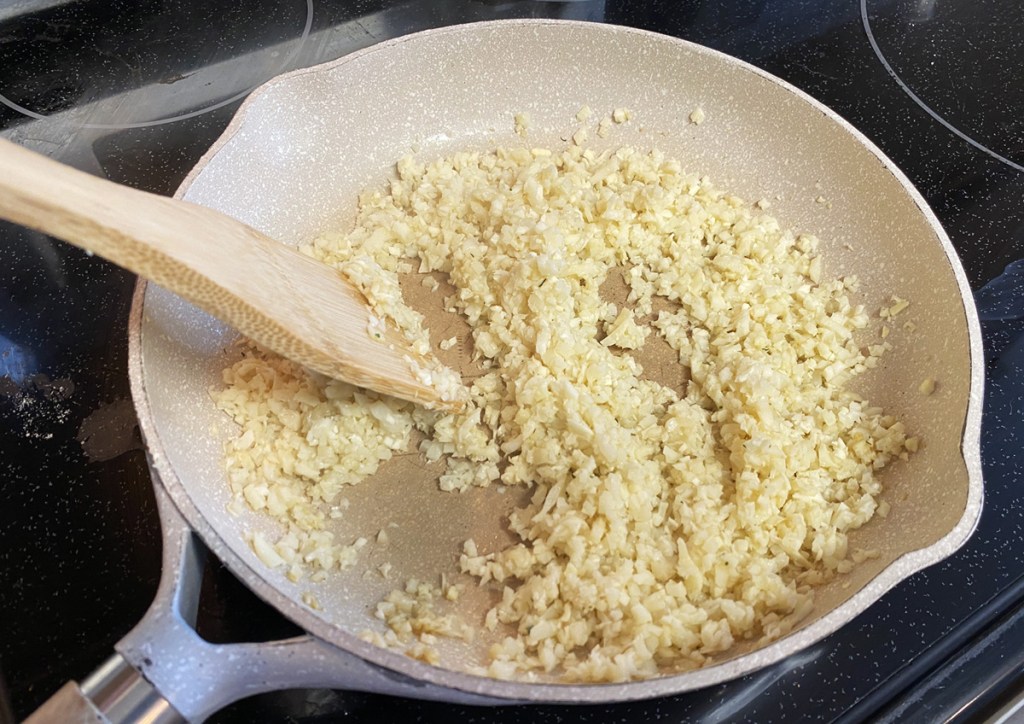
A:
136, 91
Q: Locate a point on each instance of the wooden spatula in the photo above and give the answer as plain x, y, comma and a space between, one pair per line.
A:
270, 292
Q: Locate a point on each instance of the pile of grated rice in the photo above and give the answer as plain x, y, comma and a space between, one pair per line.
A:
662, 528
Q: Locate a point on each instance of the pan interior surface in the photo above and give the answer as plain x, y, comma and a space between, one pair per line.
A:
304, 146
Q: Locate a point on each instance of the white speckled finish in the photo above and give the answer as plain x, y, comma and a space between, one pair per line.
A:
301, 147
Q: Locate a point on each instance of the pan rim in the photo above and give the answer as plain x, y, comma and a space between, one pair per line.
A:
523, 691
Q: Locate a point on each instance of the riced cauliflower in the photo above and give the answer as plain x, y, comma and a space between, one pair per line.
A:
662, 527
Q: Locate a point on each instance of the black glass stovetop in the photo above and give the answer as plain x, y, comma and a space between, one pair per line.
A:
136, 90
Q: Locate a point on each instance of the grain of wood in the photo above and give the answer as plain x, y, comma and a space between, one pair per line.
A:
270, 292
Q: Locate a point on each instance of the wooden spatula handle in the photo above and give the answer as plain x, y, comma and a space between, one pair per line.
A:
270, 292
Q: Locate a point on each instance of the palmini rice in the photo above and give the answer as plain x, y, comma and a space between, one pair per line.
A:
662, 528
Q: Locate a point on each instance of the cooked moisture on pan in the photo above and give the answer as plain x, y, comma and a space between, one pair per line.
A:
665, 523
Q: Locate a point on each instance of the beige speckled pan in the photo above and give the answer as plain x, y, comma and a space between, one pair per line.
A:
291, 164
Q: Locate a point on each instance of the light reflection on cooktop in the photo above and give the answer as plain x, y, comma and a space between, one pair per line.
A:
961, 62
161, 50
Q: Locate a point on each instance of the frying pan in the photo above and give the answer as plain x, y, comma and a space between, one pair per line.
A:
292, 163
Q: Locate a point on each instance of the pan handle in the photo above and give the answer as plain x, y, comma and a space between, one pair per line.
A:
69, 705
165, 673
114, 693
